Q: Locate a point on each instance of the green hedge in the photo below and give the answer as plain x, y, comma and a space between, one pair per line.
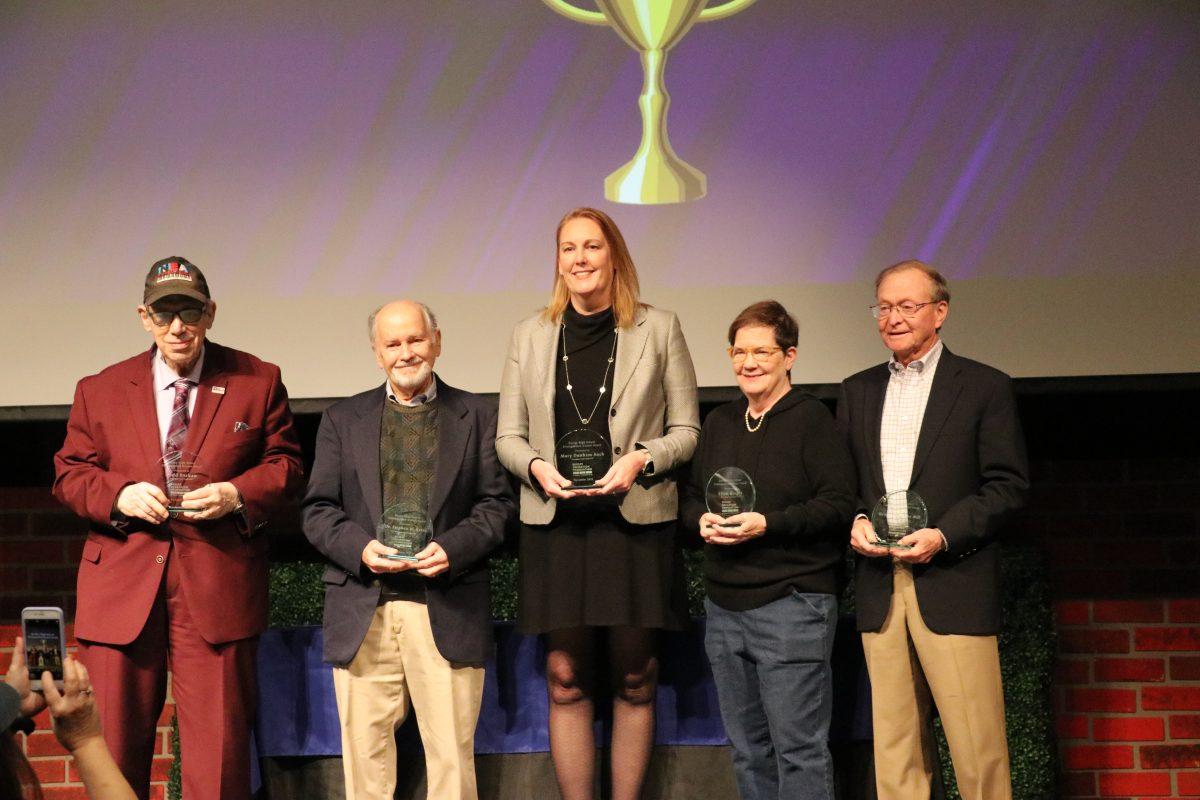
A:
1026, 649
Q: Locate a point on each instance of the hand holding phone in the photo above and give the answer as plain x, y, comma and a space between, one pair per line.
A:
18, 678
45, 644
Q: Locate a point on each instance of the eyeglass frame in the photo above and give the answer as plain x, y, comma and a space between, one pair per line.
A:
758, 360
878, 313
179, 312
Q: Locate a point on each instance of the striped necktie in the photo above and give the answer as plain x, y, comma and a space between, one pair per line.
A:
177, 430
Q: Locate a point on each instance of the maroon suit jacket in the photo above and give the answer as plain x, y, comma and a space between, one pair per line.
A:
113, 441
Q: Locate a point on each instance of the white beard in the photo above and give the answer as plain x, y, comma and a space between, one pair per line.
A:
413, 381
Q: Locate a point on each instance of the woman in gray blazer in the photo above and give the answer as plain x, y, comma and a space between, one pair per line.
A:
600, 572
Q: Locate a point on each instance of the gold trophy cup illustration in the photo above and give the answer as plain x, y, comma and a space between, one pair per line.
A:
655, 174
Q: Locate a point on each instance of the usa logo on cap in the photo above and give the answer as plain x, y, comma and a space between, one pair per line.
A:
173, 271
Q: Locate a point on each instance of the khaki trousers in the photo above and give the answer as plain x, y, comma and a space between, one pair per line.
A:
397, 664
909, 665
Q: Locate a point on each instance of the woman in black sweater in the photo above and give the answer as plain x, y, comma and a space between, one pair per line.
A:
772, 572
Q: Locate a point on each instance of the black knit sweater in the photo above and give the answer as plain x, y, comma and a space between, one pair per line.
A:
804, 480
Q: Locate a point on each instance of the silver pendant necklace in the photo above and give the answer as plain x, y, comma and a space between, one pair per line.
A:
567, 370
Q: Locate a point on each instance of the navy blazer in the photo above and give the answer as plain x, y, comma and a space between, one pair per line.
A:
971, 470
470, 505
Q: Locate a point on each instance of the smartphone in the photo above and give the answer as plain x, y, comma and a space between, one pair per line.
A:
45, 644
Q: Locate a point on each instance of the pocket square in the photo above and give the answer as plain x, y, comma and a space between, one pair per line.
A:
240, 426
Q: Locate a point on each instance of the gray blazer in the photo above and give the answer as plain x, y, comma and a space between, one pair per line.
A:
653, 406
470, 504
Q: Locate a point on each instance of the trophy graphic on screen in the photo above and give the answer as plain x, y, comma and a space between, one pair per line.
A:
655, 174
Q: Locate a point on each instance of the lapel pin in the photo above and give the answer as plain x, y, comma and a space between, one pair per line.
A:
218, 390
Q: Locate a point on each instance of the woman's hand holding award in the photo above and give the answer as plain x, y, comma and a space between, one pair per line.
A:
582, 457
730, 491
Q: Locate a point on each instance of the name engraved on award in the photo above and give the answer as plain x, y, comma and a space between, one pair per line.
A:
582, 457
184, 473
730, 491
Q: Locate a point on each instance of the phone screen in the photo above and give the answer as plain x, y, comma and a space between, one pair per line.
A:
43, 648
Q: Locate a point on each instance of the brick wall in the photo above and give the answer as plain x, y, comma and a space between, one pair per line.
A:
1122, 539
40, 545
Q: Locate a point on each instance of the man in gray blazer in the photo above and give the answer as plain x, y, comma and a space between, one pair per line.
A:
396, 631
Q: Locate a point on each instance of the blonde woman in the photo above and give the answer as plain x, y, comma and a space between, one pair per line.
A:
600, 572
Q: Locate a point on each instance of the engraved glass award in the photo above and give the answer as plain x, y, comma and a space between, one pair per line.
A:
582, 457
184, 473
730, 491
896, 515
405, 529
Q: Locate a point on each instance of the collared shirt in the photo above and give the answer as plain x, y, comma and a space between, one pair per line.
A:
903, 410
164, 390
424, 397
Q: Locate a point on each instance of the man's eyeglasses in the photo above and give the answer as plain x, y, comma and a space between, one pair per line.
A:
188, 316
906, 309
740, 355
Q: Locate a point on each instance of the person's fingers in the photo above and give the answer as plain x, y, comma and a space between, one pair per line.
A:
84, 678
71, 681
18, 655
49, 690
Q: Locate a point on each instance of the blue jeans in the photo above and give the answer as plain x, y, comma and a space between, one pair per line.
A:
774, 684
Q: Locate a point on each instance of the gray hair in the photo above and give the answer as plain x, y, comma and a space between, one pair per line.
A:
431, 323
939, 289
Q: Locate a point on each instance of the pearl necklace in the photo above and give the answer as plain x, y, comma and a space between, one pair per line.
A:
760, 419
567, 370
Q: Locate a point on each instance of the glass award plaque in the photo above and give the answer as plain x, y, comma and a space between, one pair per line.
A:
404, 529
582, 457
896, 515
184, 473
730, 491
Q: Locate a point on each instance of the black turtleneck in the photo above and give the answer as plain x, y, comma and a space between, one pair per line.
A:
589, 344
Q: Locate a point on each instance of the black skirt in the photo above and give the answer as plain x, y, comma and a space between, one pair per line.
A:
590, 567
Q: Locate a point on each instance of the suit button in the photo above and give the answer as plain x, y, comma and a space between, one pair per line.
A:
158, 559
617, 450
612, 413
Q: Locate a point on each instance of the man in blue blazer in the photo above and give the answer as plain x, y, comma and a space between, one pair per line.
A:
401, 632
931, 422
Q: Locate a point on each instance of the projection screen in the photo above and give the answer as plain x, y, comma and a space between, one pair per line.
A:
316, 160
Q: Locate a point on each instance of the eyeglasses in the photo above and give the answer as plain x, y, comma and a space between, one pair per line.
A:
906, 309
188, 316
740, 355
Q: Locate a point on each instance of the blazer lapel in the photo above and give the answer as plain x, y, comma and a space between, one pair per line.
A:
145, 416
453, 433
942, 396
876, 392
630, 344
209, 394
364, 439
545, 351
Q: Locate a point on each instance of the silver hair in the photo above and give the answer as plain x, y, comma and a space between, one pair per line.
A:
430, 318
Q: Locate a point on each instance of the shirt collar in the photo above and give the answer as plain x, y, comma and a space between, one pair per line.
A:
165, 377
919, 366
427, 396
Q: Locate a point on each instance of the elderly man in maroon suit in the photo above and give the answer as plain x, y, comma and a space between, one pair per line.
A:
177, 582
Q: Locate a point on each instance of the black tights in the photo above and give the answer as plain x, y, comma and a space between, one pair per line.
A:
571, 682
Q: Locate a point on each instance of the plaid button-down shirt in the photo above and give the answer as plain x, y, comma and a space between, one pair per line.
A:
903, 409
